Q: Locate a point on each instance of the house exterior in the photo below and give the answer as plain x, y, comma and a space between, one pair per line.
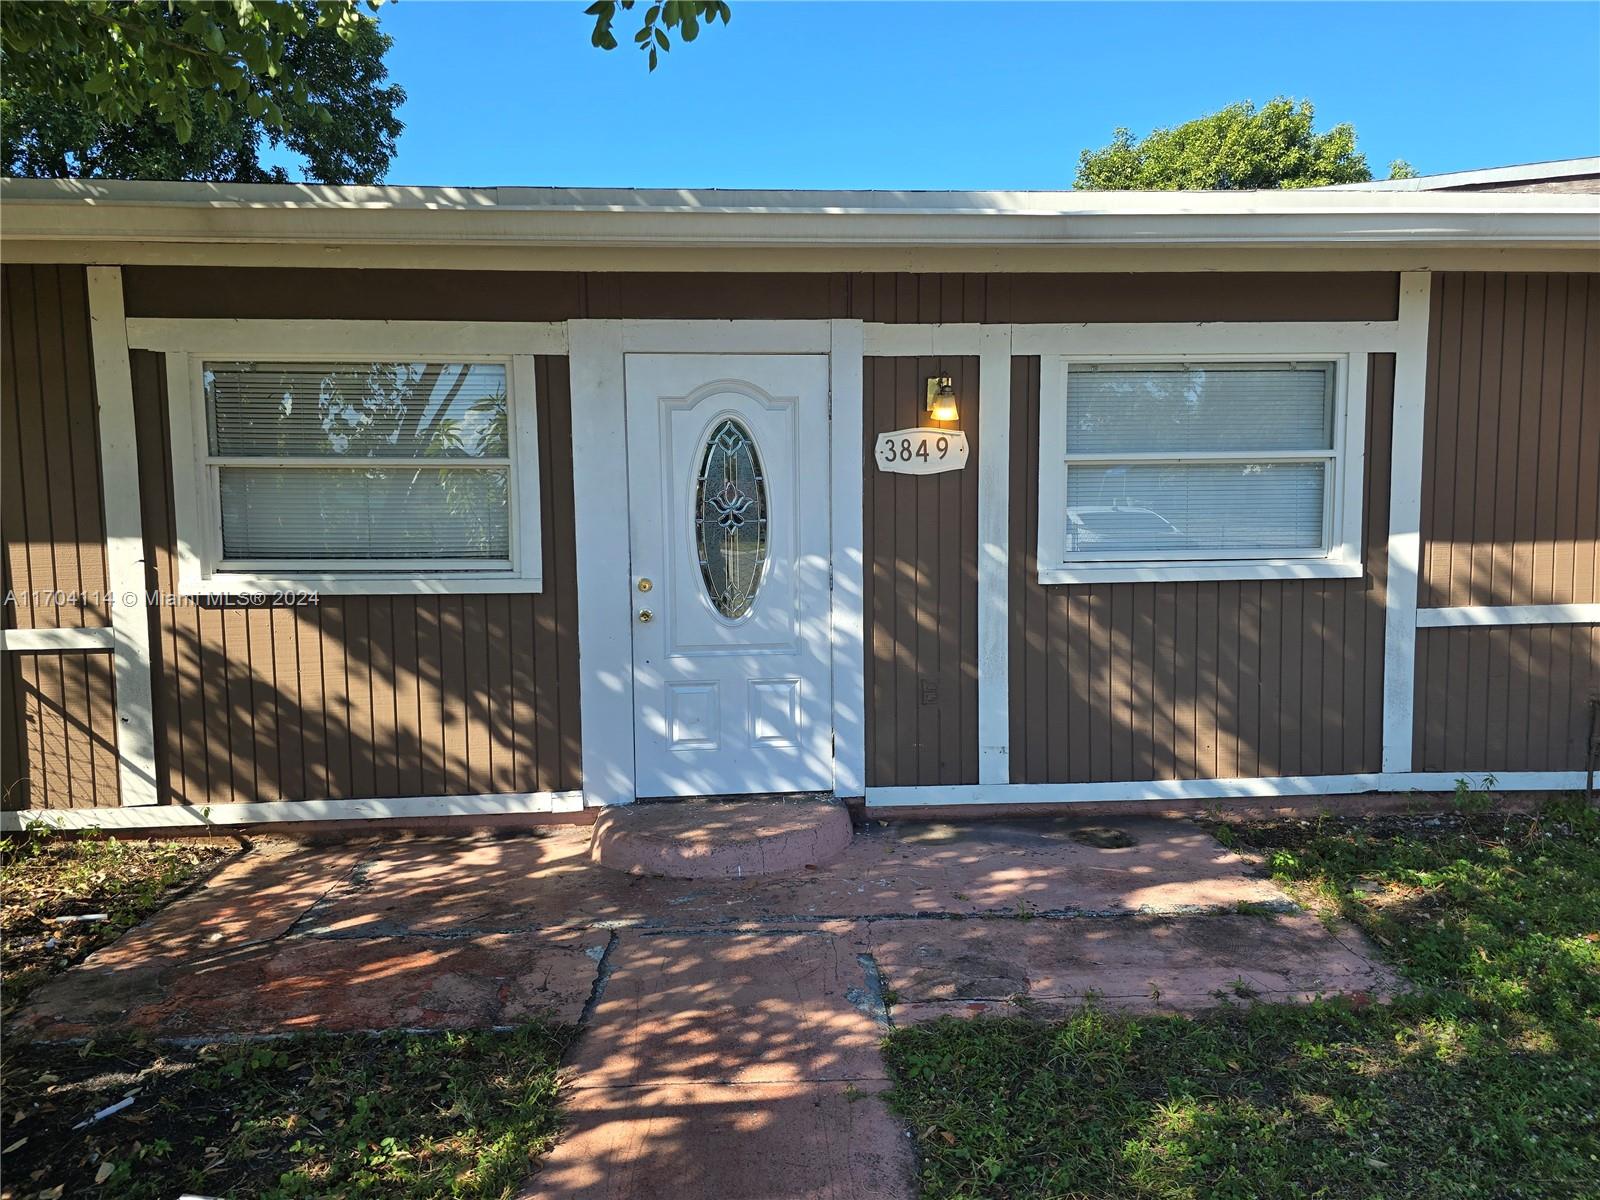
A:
405, 503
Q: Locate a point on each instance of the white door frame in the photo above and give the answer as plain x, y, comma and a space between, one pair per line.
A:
600, 501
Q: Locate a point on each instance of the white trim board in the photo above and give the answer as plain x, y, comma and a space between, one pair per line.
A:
1164, 339
847, 479
240, 338
187, 816
1405, 521
1508, 614
1221, 789
125, 550
1340, 555
605, 572
726, 337
994, 555
197, 518
86, 639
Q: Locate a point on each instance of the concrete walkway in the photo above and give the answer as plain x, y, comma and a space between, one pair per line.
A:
730, 1027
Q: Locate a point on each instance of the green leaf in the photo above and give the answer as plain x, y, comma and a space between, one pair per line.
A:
661, 39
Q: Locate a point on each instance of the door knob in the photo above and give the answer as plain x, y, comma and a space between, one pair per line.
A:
645, 616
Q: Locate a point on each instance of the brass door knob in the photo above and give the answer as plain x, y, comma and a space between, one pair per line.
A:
646, 616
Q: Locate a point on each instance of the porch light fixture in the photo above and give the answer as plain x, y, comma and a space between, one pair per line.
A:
942, 399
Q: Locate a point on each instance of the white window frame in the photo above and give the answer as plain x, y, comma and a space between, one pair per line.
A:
1338, 558
189, 344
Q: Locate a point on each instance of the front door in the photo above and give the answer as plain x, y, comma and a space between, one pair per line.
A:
729, 522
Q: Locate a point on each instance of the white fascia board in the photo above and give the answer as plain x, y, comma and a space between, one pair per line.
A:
185, 212
1561, 168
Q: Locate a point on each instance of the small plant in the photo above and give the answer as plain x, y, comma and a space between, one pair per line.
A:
1474, 802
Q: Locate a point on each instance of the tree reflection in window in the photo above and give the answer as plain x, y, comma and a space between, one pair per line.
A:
730, 517
366, 461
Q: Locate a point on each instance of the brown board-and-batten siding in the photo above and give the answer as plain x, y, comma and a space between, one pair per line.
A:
1197, 680
58, 732
358, 696
921, 551
406, 695
920, 532
922, 628
1510, 517
1230, 679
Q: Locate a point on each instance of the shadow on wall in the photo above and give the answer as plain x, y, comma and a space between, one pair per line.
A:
1196, 680
365, 696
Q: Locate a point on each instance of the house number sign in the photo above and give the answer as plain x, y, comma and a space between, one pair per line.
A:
921, 451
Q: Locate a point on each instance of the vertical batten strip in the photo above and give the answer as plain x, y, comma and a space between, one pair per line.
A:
605, 614
846, 364
125, 550
994, 564
1405, 521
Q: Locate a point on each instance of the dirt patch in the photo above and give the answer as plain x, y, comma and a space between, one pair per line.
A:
63, 898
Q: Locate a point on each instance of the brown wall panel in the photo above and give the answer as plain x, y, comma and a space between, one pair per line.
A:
62, 714
57, 718
1505, 698
366, 695
1511, 464
53, 530
1194, 680
267, 292
921, 551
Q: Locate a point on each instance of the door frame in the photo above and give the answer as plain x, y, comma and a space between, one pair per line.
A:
596, 352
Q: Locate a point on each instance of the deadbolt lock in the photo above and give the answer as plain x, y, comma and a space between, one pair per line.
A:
645, 616
645, 585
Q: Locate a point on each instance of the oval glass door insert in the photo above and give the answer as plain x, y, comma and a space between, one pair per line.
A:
730, 518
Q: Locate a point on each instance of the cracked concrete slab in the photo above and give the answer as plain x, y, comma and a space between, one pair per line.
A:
547, 882
303, 984
732, 1007
938, 968
730, 1026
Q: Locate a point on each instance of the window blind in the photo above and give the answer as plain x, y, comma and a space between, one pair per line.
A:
360, 462
357, 410
1189, 510
1261, 406
1234, 460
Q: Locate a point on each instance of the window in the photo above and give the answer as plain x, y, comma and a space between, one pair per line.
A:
357, 474
1198, 469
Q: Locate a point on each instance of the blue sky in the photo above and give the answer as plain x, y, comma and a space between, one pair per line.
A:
969, 95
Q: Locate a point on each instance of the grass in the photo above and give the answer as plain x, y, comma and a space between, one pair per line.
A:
1484, 1082
45, 878
397, 1116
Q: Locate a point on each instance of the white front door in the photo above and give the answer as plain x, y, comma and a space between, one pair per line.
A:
729, 523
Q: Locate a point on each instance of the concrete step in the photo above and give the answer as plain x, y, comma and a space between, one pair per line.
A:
720, 839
